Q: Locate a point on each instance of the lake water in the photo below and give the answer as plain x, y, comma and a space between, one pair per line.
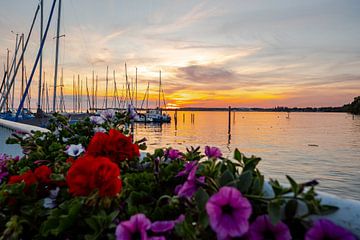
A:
306, 146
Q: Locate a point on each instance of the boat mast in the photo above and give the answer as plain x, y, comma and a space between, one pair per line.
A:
57, 55
159, 89
126, 87
40, 63
136, 88
96, 92
93, 90
73, 95
13, 86
8, 78
107, 85
22, 67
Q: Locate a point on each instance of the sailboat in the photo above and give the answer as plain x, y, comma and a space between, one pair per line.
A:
154, 115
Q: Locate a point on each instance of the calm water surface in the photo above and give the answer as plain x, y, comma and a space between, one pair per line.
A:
323, 146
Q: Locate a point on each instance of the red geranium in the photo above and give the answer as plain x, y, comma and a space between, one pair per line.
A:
42, 174
114, 145
89, 173
28, 177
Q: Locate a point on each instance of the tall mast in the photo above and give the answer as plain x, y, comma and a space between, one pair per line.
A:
96, 91
135, 88
22, 68
93, 90
57, 55
40, 63
159, 88
8, 77
62, 101
78, 94
107, 83
13, 87
73, 95
126, 86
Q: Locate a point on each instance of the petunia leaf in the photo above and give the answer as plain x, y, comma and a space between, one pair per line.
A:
327, 209
294, 186
237, 155
245, 181
201, 197
290, 208
274, 211
226, 178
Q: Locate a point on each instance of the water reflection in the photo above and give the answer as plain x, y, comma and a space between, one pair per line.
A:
325, 146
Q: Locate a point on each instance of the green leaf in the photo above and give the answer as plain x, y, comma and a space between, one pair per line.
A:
226, 177
61, 218
290, 208
294, 186
251, 163
245, 181
237, 155
327, 209
201, 198
274, 211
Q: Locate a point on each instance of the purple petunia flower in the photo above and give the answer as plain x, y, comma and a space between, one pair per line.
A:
212, 152
190, 186
97, 120
228, 213
165, 226
75, 150
135, 227
325, 229
173, 154
108, 114
187, 170
99, 129
3, 164
262, 228
139, 226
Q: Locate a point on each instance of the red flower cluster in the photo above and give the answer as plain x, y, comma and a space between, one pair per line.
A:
88, 173
41, 174
28, 177
115, 145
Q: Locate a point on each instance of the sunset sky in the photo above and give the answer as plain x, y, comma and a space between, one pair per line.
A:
244, 53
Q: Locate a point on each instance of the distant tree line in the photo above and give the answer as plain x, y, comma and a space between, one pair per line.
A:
353, 107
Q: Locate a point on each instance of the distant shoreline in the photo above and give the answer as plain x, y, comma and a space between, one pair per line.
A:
277, 109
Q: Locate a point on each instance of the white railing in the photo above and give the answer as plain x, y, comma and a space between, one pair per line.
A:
9, 127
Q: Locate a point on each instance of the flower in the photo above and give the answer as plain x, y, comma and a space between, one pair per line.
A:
228, 213
212, 152
97, 120
165, 226
262, 228
114, 145
75, 150
50, 202
27, 177
108, 114
99, 129
135, 227
188, 167
173, 154
191, 184
4, 159
43, 173
88, 173
325, 229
